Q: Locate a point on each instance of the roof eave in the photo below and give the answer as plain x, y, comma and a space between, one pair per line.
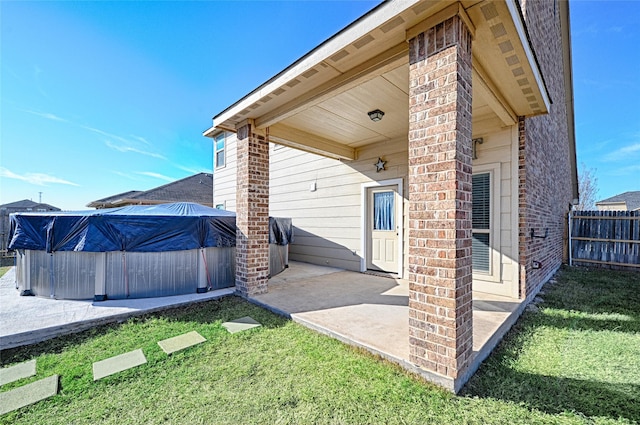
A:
516, 16
384, 11
568, 88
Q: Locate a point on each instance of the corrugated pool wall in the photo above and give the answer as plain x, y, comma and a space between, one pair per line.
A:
121, 275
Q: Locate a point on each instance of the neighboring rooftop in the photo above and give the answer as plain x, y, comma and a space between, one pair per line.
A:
627, 201
109, 201
197, 188
25, 204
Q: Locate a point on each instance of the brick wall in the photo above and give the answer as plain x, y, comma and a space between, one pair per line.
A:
252, 214
545, 190
440, 308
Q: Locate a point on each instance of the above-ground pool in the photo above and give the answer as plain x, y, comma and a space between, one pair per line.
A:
132, 252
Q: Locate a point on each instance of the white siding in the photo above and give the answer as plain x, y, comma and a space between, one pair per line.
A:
327, 220
498, 149
224, 178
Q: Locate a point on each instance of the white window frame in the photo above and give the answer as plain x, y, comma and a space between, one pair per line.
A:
216, 150
494, 274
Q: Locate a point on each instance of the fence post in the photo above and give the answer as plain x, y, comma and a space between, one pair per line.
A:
570, 246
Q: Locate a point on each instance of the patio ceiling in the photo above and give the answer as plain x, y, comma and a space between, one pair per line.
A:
320, 103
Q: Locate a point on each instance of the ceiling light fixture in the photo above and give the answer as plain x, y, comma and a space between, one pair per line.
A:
376, 115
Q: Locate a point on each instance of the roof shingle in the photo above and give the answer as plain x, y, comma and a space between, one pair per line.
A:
197, 188
631, 198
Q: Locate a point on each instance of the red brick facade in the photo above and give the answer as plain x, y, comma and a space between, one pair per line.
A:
544, 171
440, 306
252, 220
439, 181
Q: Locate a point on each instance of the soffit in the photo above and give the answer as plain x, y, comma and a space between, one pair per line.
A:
326, 95
377, 32
344, 118
502, 50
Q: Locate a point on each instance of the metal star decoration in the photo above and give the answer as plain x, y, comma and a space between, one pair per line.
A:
380, 165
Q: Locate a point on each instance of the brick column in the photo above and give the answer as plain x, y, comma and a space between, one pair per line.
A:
252, 213
440, 151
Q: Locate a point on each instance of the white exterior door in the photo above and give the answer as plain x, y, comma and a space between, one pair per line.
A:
382, 228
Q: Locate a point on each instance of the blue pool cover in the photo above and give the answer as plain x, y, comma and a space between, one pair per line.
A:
140, 228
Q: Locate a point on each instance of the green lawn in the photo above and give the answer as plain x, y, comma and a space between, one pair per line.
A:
576, 360
3, 270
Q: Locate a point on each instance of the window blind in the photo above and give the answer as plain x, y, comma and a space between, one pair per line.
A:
480, 259
481, 219
481, 213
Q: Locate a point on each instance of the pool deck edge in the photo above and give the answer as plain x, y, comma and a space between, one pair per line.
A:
34, 328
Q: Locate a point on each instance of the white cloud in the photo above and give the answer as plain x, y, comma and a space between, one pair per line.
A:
121, 174
192, 170
142, 139
155, 175
122, 148
37, 179
107, 134
627, 171
125, 145
46, 115
623, 153
591, 29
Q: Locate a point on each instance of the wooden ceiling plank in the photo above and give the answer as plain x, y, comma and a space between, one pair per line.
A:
378, 65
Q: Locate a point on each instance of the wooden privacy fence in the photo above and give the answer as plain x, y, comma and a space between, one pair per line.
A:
606, 238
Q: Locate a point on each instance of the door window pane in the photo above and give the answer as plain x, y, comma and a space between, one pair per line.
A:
383, 211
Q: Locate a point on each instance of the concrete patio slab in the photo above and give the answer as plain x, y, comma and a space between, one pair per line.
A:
241, 324
29, 320
302, 271
28, 394
363, 310
180, 342
118, 363
18, 371
372, 312
366, 311
490, 312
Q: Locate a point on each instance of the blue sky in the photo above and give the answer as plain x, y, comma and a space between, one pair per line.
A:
99, 98
606, 73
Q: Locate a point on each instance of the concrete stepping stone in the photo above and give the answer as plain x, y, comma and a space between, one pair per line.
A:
117, 364
241, 324
180, 342
19, 371
28, 394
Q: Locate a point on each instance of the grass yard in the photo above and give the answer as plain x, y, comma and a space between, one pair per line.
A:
3, 270
576, 360
580, 353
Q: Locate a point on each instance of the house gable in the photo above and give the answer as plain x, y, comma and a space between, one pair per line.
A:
627, 201
197, 188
